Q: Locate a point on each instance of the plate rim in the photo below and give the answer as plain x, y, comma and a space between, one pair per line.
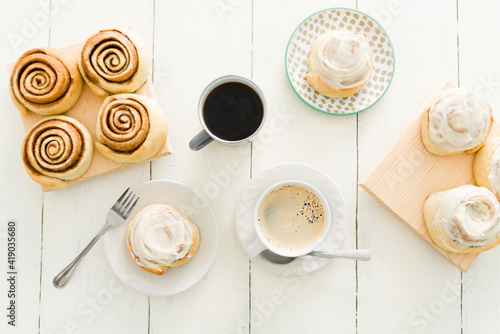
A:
331, 113
216, 233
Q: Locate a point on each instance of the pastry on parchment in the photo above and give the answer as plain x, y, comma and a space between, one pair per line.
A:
130, 128
114, 61
45, 81
57, 149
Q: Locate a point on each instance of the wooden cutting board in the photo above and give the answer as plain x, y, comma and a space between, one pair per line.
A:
85, 110
407, 174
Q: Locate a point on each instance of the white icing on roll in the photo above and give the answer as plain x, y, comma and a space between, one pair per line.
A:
469, 216
159, 237
459, 120
341, 59
494, 175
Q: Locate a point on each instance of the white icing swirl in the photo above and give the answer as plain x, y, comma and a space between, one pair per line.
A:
469, 216
341, 59
159, 237
459, 120
494, 175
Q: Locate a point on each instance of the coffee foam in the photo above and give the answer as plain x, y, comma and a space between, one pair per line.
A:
291, 217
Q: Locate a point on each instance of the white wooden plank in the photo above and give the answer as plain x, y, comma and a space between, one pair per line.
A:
20, 197
409, 287
94, 300
194, 44
479, 71
323, 301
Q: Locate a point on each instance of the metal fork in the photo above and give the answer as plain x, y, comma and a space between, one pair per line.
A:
116, 216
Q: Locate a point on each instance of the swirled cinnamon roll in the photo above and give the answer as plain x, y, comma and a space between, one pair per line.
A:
130, 128
114, 61
465, 219
57, 149
159, 237
486, 166
458, 121
45, 81
340, 63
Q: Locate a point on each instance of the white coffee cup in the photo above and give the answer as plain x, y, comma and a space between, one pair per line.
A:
262, 241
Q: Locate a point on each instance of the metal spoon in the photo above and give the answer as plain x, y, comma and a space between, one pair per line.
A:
355, 254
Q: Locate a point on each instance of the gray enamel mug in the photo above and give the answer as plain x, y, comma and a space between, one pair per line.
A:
231, 109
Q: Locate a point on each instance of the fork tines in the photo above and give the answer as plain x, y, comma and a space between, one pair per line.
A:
126, 203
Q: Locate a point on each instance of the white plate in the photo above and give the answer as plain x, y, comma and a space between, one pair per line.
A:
245, 211
342, 19
174, 280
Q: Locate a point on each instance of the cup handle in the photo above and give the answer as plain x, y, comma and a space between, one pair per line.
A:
201, 140
255, 248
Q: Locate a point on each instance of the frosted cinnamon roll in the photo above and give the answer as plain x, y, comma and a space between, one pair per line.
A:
57, 149
130, 128
114, 61
340, 63
465, 219
486, 166
159, 237
45, 81
458, 121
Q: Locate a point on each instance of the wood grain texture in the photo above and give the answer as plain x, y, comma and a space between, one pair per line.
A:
406, 275
94, 300
407, 288
20, 197
480, 72
408, 174
188, 57
294, 132
86, 110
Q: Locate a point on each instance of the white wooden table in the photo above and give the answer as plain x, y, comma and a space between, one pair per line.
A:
406, 288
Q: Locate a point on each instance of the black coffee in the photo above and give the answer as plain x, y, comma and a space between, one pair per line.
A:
233, 111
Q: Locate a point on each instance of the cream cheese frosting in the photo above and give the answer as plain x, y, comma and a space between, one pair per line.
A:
469, 216
459, 120
341, 59
494, 175
159, 237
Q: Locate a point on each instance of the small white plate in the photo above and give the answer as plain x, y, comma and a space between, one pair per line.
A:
174, 280
245, 211
311, 28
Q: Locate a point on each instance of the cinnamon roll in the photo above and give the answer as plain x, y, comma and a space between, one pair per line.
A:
464, 220
57, 149
45, 81
159, 237
340, 63
130, 128
458, 121
114, 61
486, 166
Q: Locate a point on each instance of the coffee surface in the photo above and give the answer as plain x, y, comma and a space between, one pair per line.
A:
291, 217
233, 111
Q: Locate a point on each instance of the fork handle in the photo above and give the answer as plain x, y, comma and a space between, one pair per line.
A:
63, 277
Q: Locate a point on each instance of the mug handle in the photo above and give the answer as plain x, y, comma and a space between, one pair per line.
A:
256, 247
199, 141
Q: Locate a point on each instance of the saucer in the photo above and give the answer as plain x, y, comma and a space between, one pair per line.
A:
177, 279
245, 212
340, 19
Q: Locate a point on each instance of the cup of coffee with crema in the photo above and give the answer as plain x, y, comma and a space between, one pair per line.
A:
291, 218
232, 109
